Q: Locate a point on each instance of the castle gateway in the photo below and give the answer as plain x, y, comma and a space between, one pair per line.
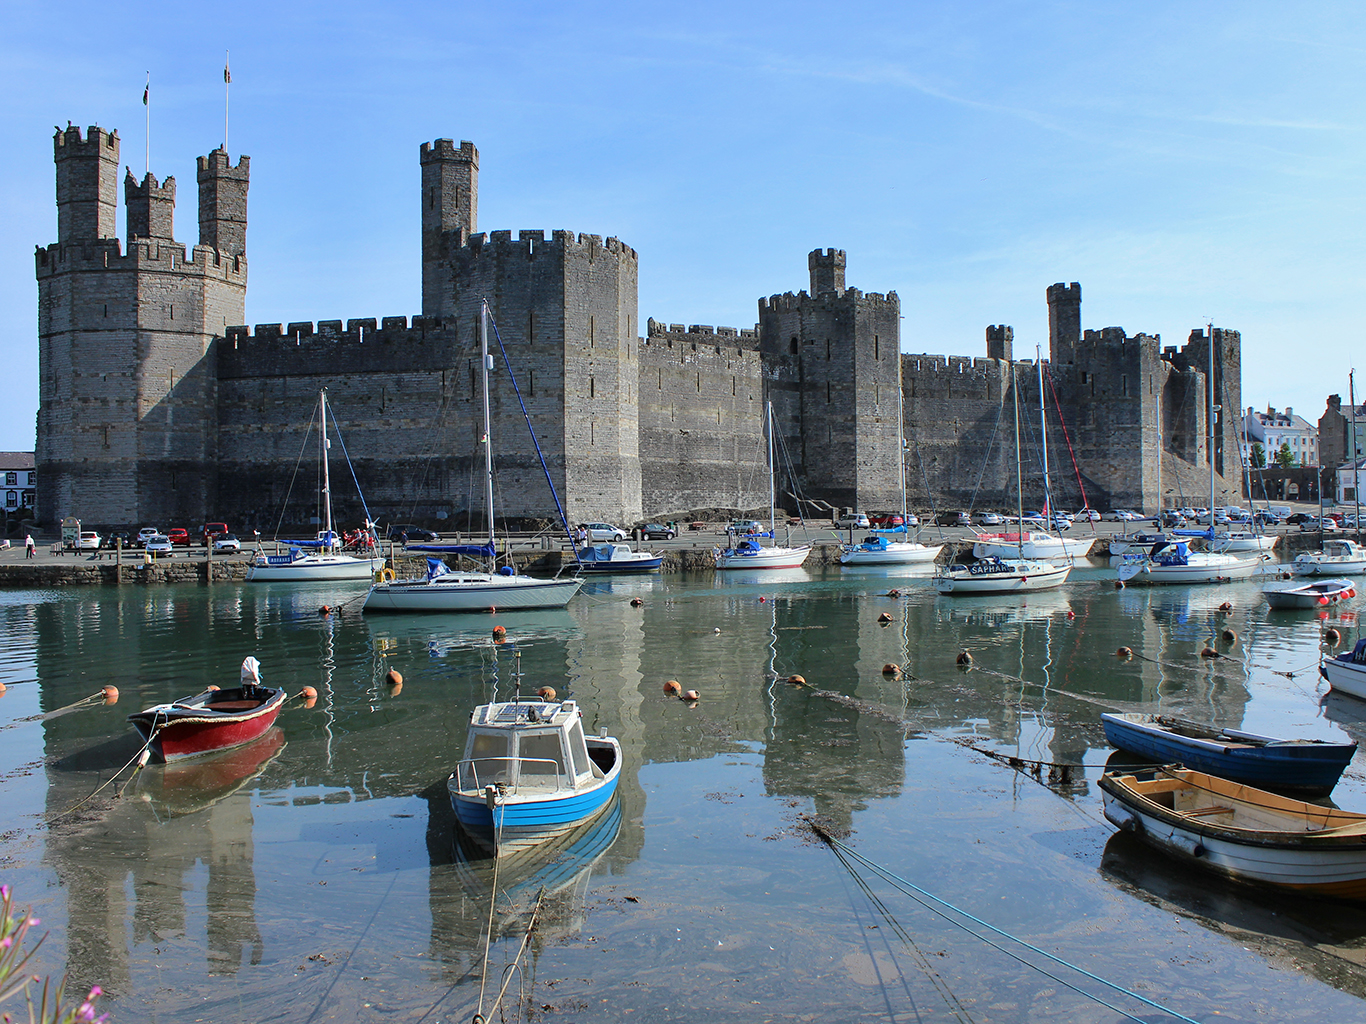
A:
157, 407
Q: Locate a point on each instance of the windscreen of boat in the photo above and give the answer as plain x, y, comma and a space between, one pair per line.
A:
488, 745
540, 753
578, 749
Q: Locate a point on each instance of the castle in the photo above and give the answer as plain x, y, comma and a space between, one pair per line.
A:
157, 407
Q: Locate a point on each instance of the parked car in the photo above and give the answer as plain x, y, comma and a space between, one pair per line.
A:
911, 519
1314, 525
159, 545
407, 533
179, 536
227, 542
89, 540
603, 531
1089, 515
952, 519
1298, 518
1061, 521
852, 521
146, 534
989, 518
886, 520
112, 540
1122, 515
209, 531
657, 531
1266, 519
1171, 518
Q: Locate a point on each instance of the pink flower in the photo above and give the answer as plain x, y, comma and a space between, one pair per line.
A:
33, 922
95, 993
6, 942
4, 895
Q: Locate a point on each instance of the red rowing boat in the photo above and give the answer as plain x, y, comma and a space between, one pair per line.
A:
211, 721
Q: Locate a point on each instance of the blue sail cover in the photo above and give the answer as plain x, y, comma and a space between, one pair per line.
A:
471, 550
324, 540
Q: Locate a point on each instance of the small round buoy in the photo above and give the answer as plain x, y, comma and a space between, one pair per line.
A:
546, 693
1332, 637
1119, 584
1071, 614
1209, 652
797, 680
1124, 652
395, 689
884, 618
716, 629
1323, 600
211, 686
111, 694
309, 693
394, 677
636, 602
763, 600
499, 634
893, 593
1227, 606
325, 610
310, 701
891, 669
964, 658
691, 695
672, 688
1228, 636
2, 691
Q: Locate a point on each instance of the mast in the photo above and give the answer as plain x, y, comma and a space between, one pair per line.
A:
327, 480
486, 364
1043, 441
772, 497
901, 454
1019, 481
1213, 409
1356, 472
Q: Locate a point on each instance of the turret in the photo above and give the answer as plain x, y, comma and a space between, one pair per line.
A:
450, 203
827, 271
151, 208
223, 202
1064, 322
87, 184
1000, 342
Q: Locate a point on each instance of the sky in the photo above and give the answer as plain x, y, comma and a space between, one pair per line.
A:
1187, 162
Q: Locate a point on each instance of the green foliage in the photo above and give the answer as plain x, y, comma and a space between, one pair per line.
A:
1257, 456
52, 1006
1285, 458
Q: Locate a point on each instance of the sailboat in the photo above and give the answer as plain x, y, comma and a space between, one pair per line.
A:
447, 590
1172, 561
994, 574
750, 554
317, 560
876, 548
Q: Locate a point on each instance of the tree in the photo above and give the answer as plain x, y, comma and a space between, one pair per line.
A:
1257, 456
1285, 458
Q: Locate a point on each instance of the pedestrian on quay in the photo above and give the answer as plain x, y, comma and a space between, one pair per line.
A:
30, 549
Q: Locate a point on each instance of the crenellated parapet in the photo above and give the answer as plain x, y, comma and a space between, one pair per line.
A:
150, 255
795, 302
360, 344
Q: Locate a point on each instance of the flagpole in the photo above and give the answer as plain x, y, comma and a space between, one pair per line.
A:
227, 81
146, 102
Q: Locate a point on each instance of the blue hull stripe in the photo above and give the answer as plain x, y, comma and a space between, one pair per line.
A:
474, 813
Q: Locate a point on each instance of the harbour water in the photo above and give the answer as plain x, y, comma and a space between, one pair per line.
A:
315, 875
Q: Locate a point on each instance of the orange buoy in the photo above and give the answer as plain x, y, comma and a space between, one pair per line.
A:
395, 689
1332, 637
111, 694
309, 692
325, 610
2, 690
1323, 600
1227, 606
1209, 652
210, 687
546, 693
891, 669
1228, 636
310, 701
636, 602
884, 618
1124, 652
394, 677
691, 695
1071, 614
672, 688
499, 634
964, 658
797, 680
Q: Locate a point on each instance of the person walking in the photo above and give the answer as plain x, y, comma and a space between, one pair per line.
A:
30, 549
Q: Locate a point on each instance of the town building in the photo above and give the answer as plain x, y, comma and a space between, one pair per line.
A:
1276, 430
19, 475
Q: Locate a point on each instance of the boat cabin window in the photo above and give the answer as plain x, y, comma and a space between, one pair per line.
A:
540, 753
578, 749
488, 745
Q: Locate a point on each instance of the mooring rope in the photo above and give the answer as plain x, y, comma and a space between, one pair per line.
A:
915, 892
139, 757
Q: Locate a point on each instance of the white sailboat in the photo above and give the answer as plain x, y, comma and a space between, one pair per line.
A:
877, 548
750, 554
994, 574
317, 560
447, 590
1172, 561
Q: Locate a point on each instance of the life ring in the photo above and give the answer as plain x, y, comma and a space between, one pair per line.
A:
384, 575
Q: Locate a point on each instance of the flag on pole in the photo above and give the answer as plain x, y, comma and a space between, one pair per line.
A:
227, 75
145, 90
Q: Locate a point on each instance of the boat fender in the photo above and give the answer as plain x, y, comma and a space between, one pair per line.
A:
111, 694
1229, 636
1227, 606
672, 688
1125, 653
394, 677
884, 618
546, 693
691, 696
1187, 845
1323, 600
1332, 637
797, 680
385, 575
1209, 652
507, 570
892, 669
964, 658
1123, 819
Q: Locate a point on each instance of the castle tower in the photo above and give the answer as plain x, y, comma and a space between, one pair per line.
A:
126, 418
1000, 342
827, 271
833, 374
150, 208
223, 202
450, 213
87, 184
1064, 322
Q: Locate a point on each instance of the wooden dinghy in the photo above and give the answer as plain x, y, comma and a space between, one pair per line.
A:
211, 721
1305, 766
1315, 594
1242, 833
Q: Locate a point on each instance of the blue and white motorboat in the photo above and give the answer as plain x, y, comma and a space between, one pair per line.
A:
1347, 672
1311, 767
599, 559
529, 774
877, 549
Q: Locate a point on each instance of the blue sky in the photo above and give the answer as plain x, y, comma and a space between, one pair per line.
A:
1186, 162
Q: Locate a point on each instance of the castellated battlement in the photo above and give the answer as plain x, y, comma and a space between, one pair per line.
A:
69, 143
446, 149
148, 187
530, 242
356, 345
655, 329
793, 302
218, 162
152, 255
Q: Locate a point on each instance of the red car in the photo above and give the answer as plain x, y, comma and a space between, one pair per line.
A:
179, 537
886, 520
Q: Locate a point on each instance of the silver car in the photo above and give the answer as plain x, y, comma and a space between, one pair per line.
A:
159, 545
